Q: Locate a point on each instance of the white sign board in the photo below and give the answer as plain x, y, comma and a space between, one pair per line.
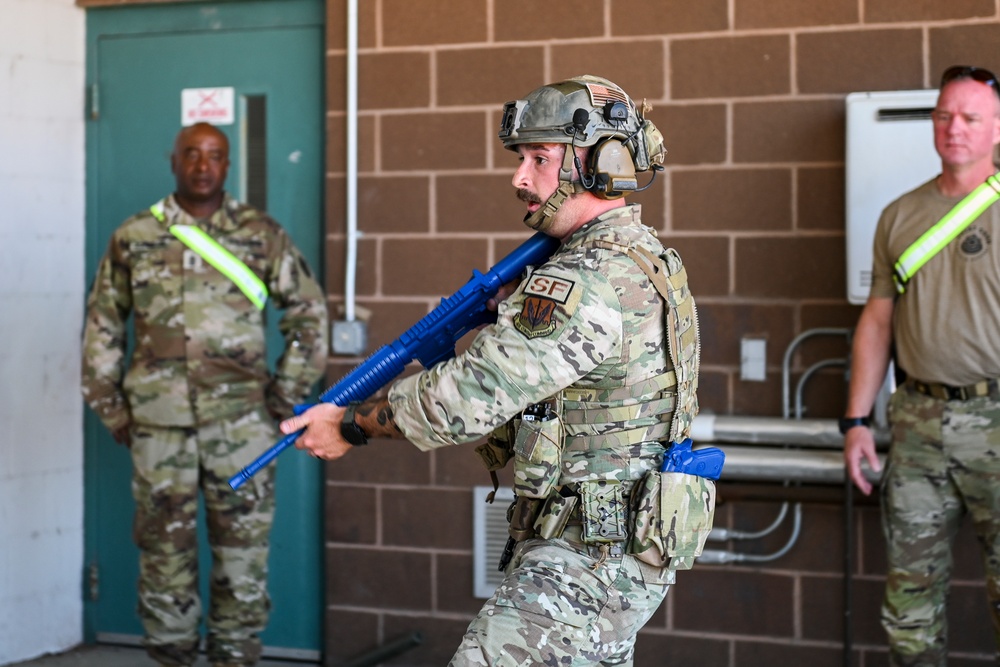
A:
890, 151
207, 105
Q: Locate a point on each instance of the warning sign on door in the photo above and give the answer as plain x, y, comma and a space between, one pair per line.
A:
207, 105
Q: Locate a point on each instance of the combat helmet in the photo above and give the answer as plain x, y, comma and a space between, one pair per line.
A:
585, 111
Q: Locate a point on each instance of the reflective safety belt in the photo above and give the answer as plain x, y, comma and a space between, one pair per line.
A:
224, 261
944, 231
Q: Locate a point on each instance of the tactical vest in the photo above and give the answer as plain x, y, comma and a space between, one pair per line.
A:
616, 430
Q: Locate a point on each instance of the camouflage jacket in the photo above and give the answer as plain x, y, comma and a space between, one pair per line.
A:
589, 321
199, 352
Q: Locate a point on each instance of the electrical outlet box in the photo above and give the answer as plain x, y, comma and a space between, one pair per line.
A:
753, 359
348, 337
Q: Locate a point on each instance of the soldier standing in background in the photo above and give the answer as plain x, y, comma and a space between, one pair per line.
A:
197, 403
589, 372
942, 322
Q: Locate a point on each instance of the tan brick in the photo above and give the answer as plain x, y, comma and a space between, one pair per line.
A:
842, 62
616, 61
741, 612
423, 518
396, 204
429, 267
389, 320
530, 20
668, 17
706, 259
351, 527
336, 143
723, 324
693, 133
477, 203
795, 131
454, 589
488, 75
729, 67
417, 22
713, 391
820, 201
426, 141
963, 45
794, 13
884, 11
336, 24
653, 201
384, 462
365, 280
394, 80
790, 268
378, 578
731, 199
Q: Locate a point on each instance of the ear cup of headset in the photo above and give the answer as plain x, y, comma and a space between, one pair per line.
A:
612, 169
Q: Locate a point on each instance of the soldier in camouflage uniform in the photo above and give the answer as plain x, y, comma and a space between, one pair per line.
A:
945, 457
590, 370
195, 403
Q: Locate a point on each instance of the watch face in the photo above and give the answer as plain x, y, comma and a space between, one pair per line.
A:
350, 431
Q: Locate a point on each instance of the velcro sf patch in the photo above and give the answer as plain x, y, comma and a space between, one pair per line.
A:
545, 299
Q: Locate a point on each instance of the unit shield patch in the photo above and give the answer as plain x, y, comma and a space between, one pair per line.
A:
543, 296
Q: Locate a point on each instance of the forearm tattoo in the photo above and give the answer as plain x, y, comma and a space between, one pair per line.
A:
375, 417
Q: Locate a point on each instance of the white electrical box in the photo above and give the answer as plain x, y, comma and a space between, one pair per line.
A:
890, 151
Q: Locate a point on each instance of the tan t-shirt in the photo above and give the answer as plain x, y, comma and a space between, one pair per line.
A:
947, 324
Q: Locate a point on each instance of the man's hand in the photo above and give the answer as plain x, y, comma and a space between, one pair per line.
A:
123, 436
502, 293
859, 443
322, 431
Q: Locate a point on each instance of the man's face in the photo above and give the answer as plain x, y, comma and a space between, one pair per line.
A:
966, 123
537, 177
200, 162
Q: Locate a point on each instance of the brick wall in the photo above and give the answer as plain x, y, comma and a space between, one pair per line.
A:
750, 97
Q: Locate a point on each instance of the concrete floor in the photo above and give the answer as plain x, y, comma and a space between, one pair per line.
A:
120, 656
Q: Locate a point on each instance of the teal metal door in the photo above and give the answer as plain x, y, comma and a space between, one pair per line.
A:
268, 56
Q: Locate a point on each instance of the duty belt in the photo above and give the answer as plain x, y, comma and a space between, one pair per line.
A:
947, 392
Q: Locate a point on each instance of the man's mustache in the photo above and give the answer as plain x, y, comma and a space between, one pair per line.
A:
528, 196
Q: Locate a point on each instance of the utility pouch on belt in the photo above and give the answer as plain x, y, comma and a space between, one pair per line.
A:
605, 512
673, 512
555, 514
496, 452
537, 452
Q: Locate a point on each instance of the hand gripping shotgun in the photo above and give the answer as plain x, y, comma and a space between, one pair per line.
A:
429, 341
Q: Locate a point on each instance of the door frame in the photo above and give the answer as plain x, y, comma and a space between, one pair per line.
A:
158, 19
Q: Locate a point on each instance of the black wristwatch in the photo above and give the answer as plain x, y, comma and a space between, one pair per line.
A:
847, 423
349, 430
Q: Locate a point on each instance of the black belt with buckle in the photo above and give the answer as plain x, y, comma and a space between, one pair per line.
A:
946, 392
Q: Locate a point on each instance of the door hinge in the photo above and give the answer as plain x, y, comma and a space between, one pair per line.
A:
93, 582
93, 103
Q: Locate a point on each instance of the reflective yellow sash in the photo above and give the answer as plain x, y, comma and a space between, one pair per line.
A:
224, 261
944, 231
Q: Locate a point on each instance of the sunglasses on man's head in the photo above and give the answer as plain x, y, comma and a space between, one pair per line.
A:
975, 73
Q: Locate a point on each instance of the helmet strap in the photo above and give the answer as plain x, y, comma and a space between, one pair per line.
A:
541, 220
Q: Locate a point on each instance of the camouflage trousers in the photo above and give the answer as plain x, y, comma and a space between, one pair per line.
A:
944, 464
564, 603
170, 465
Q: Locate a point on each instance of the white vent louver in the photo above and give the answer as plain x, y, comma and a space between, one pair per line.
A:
489, 535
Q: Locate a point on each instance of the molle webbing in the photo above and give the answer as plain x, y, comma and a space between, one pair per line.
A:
668, 276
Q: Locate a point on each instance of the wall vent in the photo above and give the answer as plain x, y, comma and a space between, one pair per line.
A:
489, 535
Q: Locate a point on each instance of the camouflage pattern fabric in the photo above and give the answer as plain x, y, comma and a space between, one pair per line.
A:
585, 334
199, 402
168, 463
944, 464
537, 617
200, 349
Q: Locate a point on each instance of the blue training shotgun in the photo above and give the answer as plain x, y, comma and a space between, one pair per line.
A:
429, 341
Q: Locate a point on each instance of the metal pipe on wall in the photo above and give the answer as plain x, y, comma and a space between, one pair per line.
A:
351, 214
